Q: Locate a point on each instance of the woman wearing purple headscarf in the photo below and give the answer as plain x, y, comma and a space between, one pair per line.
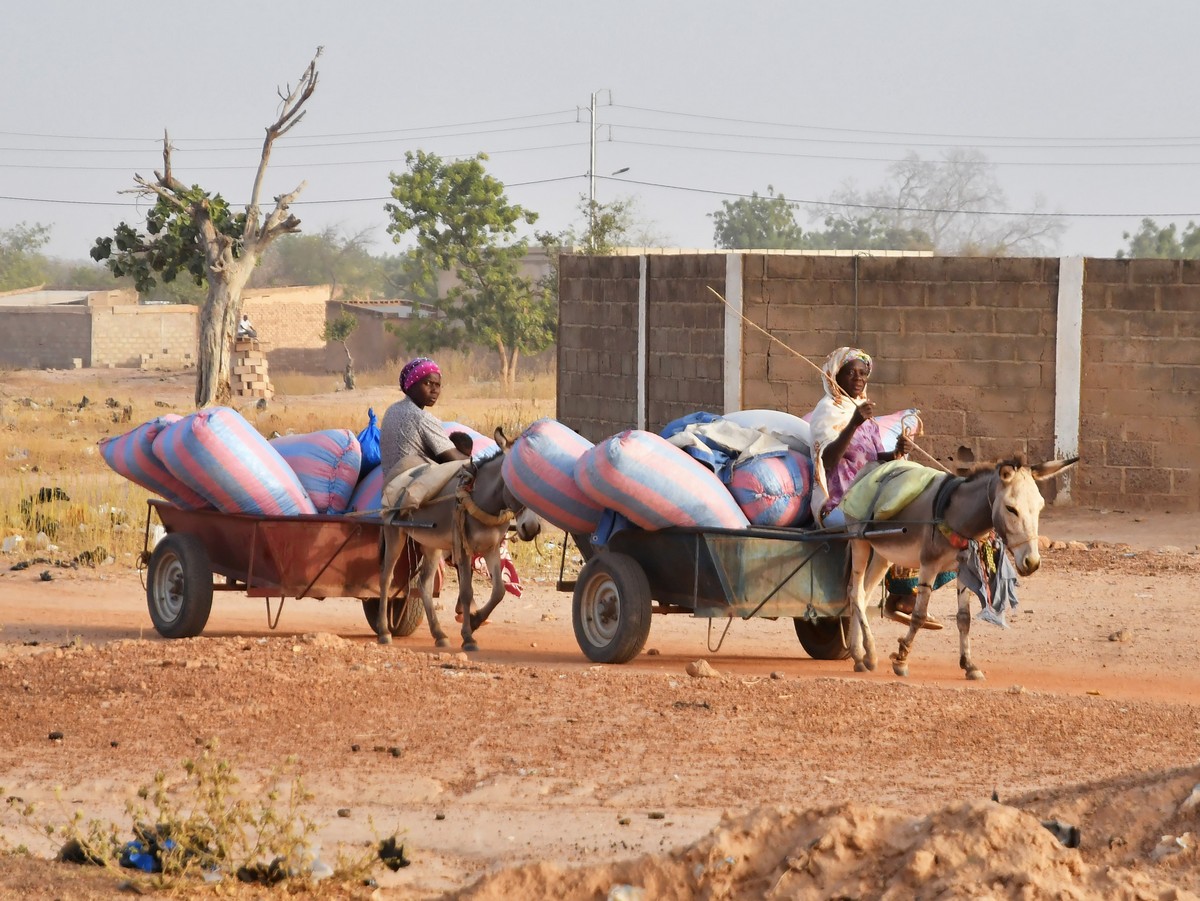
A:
408, 431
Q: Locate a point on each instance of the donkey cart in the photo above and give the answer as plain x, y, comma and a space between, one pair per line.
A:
712, 573
265, 557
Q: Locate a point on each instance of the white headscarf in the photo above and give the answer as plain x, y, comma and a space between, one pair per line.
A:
831, 416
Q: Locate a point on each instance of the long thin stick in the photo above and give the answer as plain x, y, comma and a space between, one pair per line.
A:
836, 387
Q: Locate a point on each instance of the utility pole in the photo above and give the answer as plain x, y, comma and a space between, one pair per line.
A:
592, 169
592, 178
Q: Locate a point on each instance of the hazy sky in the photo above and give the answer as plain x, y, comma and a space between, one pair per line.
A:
1091, 105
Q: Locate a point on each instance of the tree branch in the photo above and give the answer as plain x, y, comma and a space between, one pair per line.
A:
291, 113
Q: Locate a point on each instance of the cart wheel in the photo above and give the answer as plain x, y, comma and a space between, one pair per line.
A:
179, 588
404, 615
611, 608
823, 639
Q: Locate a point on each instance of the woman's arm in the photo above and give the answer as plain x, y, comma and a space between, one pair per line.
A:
833, 452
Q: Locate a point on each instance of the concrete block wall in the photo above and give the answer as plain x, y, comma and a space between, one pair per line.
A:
45, 337
1140, 397
597, 388
148, 337
968, 341
971, 342
685, 337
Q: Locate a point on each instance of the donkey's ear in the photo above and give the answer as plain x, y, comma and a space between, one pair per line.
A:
500, 438
1006, 472
1051, 468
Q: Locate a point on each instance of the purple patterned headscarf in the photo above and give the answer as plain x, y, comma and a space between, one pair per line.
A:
415, 370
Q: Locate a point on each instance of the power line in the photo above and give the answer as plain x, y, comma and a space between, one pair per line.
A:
913, 134
685, 189
349, 134
893, 159
289, 146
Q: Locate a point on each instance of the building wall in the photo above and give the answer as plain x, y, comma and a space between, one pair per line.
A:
685, 336
1140, 403
971, 342
289, 322
50, 337
597, 387
135, 336
371, 344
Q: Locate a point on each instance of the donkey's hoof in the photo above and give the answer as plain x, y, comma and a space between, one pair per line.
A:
470, 646
859, 666
442, 643
975, 674
900, 669
385, 638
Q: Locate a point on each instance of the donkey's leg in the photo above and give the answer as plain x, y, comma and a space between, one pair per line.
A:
430, 558
393, 544
495, 565
466, 599
920, 614
862, 644
964, 635
876, 567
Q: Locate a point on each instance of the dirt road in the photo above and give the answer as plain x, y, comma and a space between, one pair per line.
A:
526, 754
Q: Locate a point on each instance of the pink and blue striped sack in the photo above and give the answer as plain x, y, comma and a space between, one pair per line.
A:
774, 490
655, 485
479, 442
539, 470
368, 496
327, 463
132, 456
220, 455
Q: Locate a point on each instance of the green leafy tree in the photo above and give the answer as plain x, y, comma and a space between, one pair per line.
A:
757, 223
340, 329
1152, 242
193, 233
604, 228
21, 263
464, 225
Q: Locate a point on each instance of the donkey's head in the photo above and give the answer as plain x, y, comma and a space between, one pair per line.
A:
1017, 507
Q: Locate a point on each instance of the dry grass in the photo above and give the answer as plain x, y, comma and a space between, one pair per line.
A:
49, 436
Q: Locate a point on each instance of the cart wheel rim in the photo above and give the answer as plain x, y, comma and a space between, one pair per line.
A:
168, 588
600, 611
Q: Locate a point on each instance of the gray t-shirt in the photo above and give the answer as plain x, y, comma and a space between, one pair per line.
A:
408, 430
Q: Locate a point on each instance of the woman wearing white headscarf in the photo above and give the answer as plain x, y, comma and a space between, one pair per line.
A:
845, 439
845, 436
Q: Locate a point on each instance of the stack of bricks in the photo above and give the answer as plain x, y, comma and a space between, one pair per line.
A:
250, 370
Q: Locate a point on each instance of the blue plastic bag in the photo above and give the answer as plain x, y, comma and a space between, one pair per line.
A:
368, 441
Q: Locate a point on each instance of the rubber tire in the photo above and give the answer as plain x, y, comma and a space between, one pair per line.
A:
402, 621
822, 639
179, 588
610, 608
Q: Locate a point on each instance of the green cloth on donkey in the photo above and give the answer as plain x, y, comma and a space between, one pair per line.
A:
883, 491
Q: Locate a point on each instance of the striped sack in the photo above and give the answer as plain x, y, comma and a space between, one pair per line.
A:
132, 455
327, 463
539, 470
223, 457
480, 442
654, 484
774, 490
368, 496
